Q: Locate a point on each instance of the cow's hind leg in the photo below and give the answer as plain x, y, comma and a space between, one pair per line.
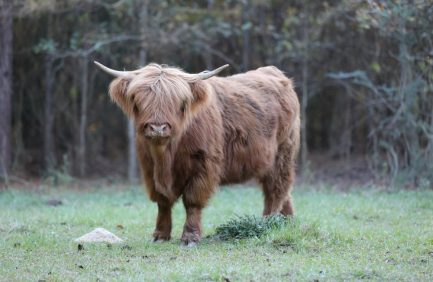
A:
278, 183
288, 209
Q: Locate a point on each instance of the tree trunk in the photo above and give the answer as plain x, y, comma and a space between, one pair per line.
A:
304, 104
304, 100
83, 119
6, 33
132, 152
49, 158
245, 36
414, 153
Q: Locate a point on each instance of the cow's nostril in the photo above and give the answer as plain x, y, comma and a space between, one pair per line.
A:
160, 127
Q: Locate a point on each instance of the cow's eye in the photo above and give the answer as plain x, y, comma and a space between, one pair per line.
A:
135, 109
183, 107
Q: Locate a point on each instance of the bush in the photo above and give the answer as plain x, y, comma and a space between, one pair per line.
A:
248, 226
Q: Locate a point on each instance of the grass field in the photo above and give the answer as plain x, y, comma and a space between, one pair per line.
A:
355, 235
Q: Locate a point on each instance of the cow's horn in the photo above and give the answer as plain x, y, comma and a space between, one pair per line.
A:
116, 73
207, 74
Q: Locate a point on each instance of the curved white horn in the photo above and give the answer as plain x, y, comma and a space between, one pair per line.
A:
116, 73
208, 74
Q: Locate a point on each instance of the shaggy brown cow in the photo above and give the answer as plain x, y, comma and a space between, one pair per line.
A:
194, 132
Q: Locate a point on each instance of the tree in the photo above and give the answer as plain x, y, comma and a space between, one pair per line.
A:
362, 70
6, 32
395, 88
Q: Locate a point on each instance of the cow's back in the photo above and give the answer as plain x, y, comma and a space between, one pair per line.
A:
257, 108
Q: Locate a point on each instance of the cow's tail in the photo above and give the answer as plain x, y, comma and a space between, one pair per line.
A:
295, 138
294, 125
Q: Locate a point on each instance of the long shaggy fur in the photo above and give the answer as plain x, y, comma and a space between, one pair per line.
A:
224, 130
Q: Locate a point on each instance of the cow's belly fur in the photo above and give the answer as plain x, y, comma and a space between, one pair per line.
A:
246, 160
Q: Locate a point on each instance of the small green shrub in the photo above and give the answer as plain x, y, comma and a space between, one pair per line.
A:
248, 226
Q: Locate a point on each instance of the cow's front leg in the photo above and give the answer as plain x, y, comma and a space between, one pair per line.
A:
163, 222
192, 229
196, 195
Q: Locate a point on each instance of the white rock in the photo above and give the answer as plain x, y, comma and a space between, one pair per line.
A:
99, 235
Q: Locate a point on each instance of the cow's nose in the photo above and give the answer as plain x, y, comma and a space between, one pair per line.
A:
158, 128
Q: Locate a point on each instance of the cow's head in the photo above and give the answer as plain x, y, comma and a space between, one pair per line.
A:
162, 100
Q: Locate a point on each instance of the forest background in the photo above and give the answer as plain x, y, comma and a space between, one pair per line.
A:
362, 69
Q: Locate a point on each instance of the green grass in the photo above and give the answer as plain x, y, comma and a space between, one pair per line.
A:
362, 234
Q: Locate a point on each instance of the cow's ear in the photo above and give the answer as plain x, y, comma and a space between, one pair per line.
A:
201, 96
117, 91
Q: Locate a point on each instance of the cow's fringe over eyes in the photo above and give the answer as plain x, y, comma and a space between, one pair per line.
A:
158, 85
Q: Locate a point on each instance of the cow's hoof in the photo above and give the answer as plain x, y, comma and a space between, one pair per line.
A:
189, 244
159, 237
190, 239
